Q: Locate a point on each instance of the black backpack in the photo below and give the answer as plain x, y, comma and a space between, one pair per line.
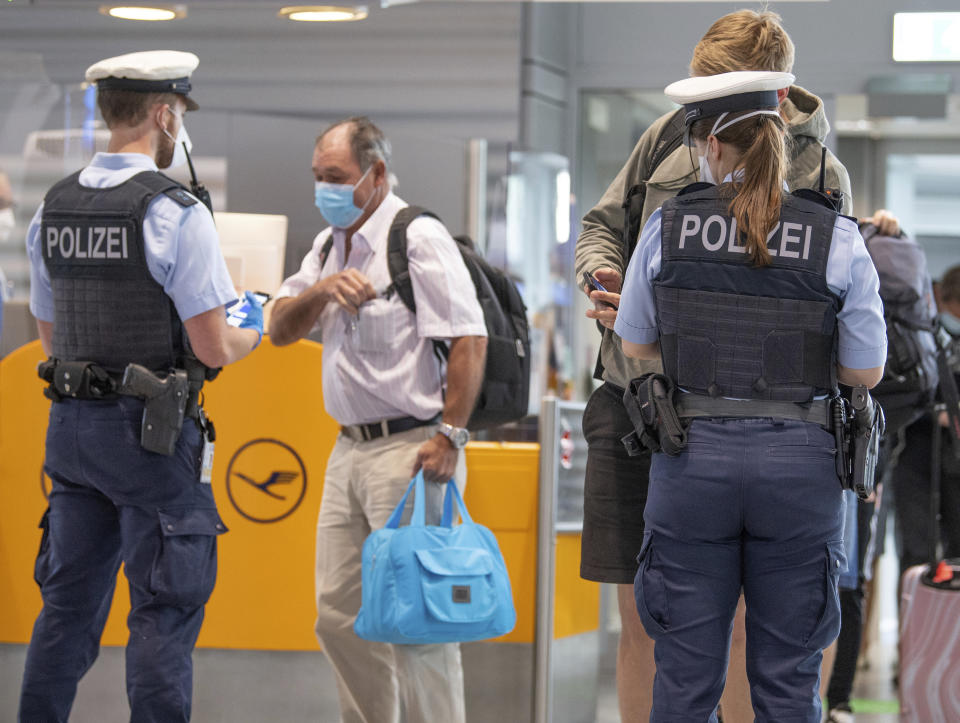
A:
910, 375
670, 138
505, 391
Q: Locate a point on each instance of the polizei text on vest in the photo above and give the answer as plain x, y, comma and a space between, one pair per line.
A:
99, 242
789, 240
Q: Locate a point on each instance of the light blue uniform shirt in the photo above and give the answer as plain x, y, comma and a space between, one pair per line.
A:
851, 275
181, 245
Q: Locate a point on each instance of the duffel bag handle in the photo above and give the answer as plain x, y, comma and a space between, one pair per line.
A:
453, 494
418, 486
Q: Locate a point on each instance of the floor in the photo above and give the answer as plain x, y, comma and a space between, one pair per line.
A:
284, 687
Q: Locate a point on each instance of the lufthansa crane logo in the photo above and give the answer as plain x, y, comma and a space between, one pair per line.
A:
266, 480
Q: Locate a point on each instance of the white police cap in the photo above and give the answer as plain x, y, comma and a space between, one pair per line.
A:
709, 95
149, 71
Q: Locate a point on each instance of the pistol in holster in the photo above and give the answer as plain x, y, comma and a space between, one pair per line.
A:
866, 430
649, 404
165, 401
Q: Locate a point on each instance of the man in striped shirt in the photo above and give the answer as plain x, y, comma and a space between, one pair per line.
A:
399, 410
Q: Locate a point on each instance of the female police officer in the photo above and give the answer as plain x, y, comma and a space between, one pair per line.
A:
758, 303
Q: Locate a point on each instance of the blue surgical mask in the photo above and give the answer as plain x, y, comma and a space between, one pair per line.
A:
335, 201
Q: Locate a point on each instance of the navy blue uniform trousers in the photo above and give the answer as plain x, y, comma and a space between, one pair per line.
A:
112, 501
751, 503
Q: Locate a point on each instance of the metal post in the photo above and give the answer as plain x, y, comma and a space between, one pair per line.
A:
477, 191
546, 556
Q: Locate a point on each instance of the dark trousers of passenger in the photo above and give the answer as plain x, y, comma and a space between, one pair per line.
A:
615, 491
111, 501
751, 503
851, 619
911, 495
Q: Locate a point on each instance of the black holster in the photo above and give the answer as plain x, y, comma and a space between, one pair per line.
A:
165, 402
842, 430
649, 401
867, 428
76, 379
167, 399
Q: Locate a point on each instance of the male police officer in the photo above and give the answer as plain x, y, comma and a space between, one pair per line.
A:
128, 287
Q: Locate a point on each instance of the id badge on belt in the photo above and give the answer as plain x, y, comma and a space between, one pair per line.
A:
206, 456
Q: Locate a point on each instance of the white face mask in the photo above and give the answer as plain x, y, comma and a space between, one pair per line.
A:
706, 175
179, 153
7, 223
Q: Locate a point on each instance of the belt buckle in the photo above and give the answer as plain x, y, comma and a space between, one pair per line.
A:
367, 432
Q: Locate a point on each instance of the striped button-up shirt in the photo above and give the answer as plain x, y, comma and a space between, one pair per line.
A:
381, 364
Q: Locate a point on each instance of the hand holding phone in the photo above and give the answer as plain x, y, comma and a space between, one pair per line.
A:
248, 305
591, 282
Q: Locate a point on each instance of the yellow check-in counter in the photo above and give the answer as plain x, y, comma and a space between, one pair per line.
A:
273, 434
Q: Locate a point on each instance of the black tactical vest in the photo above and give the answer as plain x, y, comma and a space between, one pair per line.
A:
731, 329
108, 309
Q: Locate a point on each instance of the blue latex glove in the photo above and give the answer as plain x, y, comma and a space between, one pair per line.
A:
248, 315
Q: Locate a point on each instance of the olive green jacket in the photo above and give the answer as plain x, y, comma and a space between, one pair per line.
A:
599, 242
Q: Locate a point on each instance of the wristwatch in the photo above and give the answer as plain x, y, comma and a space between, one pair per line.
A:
458, 436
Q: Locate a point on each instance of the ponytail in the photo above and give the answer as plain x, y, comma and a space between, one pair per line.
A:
757, 199
757, 203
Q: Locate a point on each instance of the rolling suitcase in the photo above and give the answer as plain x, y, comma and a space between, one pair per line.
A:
930, 626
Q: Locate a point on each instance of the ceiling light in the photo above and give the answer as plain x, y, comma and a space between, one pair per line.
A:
324, 13
136, 12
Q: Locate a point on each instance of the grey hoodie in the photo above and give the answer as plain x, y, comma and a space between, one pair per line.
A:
599, 242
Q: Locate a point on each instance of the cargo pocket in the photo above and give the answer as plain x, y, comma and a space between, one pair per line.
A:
828, 623
185, 568
457, 584
650, 591
41, 567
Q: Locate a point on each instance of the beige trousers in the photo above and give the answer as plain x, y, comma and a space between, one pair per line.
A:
377, 682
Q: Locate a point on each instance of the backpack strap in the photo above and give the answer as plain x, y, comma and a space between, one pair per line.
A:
397, 262
325, 251
670, 138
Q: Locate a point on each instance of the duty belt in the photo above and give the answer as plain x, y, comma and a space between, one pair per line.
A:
656, 409
385, 427
167, 399
818, 411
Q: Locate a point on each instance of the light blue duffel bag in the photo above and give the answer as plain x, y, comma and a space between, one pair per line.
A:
433, 584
